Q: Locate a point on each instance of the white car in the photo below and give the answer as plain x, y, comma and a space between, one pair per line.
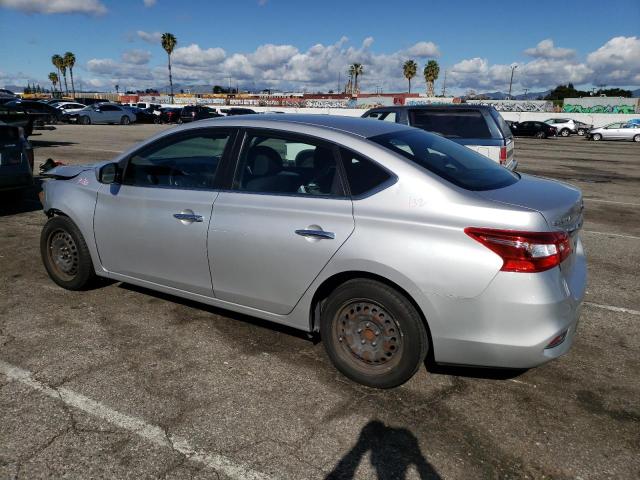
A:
69, 107
567, 126
616, 131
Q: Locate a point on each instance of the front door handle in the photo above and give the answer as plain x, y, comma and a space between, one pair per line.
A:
316, 234
187, 216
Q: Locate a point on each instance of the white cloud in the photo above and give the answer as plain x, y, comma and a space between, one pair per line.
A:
194, 56
47, 7
136, 57
617, 62
149, 3
546, 49
150, 37
271, 56
423, 50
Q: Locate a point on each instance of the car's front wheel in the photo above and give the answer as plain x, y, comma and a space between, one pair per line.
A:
597, 137
636, 138
541, 135
125, 120
565, 132
373, 334
65, 254
581, 132
85, 120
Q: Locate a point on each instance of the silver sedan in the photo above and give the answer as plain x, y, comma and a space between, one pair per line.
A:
616, 131
390, 242
105, 113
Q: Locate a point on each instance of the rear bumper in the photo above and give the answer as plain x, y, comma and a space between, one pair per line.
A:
511, 324
512, 165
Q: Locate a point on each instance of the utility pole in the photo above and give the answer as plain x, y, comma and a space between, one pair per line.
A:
444, 84
513, 67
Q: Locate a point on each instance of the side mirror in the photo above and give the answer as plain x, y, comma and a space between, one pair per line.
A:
109, 173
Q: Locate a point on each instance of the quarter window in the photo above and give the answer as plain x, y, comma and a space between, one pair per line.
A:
186, 162
275, 164
362, 175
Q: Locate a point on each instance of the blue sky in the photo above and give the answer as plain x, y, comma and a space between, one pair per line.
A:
308, 44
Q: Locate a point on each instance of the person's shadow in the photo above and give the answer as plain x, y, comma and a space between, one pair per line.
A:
393, 451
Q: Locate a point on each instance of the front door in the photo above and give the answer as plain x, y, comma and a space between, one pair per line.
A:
284, 218
153, 226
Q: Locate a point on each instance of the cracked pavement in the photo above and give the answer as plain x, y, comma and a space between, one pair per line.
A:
266, 398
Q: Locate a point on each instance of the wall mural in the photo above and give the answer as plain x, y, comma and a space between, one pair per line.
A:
569, 108
517, 105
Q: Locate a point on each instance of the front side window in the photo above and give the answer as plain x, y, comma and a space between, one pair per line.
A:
184, 162
281, 165
451, 123
455, 163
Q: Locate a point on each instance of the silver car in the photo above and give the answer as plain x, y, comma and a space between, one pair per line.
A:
616, 131
391, 242
105, 113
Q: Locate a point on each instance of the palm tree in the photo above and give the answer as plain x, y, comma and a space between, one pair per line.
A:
57, 62
70, 61
53, 77
431, 72
356, 69
350, 72
409, 68
169, 42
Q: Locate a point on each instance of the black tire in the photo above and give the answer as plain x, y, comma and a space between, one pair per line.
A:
85, 120
596, 137
540, 135
65, 254
636, 138
581, 132
125, 120
373, 334
565, 132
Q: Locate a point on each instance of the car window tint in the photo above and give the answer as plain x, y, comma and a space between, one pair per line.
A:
455, 163
275, 164
452, 123
189, 162
363, 175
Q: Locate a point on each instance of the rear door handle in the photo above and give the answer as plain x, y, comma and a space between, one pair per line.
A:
316, 234
188, 217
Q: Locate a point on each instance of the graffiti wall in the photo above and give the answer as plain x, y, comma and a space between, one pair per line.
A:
601, 105
517, 105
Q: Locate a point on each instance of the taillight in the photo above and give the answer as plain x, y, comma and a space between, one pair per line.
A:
503, 155
524, 251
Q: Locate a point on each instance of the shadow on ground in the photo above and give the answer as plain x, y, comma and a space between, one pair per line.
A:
14, 203
392, 452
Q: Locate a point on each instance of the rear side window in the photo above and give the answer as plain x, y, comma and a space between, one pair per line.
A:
363, 175
451, 123
502, 125
455, 163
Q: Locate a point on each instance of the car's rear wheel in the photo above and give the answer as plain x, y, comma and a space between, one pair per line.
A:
636, 138
597, 137
85, 120
373, 334
65, 254
565, 132
541, 135
125, 120
581, 132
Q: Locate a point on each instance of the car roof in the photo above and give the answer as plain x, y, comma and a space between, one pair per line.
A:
436, 106
363, 127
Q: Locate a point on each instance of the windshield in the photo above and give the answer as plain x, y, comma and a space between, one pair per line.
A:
455, 163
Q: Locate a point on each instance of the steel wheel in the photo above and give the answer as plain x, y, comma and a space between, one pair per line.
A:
370, 338
63, 254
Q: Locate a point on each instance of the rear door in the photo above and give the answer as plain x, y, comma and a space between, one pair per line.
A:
153, 226
283, 219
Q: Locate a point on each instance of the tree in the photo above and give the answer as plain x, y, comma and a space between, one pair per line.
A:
356, 70
431, 72
409, 69
70, 61
53, 78
57, 62
117, 88
565, 91
169, 42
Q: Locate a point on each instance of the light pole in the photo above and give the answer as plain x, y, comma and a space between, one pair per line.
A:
513, 67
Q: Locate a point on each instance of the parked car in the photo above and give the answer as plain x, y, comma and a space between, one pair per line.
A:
143, 115
91, 101
17, 117
68, 109
616, 131
387, 240
169, 115
147, 105
478, 127
568, 126
105, 113
191, 113
237, 111
533, 129
46, 113
16, 159
634, 121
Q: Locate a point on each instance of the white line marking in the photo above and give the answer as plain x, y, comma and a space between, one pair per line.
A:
150, 432
611, 201
612, 234
613, 309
